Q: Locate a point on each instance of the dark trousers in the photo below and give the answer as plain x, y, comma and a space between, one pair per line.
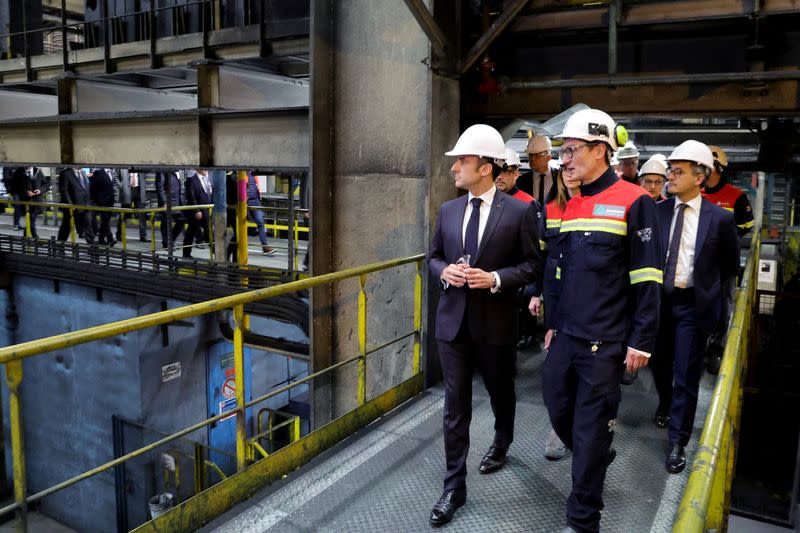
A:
196, 231
82, 225
496, 365
678, 363
582, 394
526, 322
136, 203
177, 227
104, 235
19, 210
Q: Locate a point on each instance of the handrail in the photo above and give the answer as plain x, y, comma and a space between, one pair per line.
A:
12, 357
706, 499
126, 212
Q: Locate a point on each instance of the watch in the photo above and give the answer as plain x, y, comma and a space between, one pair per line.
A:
494, 282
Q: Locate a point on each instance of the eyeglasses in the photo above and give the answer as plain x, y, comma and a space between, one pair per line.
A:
652, 183
678, 172
570, 151
539, 154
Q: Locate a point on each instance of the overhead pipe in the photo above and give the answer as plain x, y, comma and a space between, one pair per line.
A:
672, 79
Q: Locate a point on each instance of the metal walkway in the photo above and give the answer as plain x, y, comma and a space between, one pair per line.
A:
387, 477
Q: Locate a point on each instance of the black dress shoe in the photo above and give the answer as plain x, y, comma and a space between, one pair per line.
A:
447, 506
525, 342
661, 419
144, 239
676, 460
494, 460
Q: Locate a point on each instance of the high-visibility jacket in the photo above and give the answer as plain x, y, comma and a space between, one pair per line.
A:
549, 227
733, 199
519, 194
610, 265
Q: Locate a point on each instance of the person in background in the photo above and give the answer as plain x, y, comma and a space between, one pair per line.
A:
546, 288
74, 189
198, 192
170, 191
653, 176
539, 180
101, 192
628, 157
36, 185
257, 215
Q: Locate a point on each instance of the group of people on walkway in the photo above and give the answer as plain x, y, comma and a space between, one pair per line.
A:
627, 278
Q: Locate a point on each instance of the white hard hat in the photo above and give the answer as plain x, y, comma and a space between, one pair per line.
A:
693, 151
628, 151
538, 144
593, 125
512, 157
614, 161
657, 164
480, 140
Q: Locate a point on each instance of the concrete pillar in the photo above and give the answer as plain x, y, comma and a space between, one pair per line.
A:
372, 117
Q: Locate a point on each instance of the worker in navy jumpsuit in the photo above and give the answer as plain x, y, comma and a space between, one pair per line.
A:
608, 305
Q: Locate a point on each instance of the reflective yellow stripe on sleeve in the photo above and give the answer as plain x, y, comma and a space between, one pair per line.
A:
727, 208
558, 272
646, 274
553, 223
747, 224
542, 244
617, 227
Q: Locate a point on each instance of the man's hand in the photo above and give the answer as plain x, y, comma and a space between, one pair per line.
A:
455, 275
479, 279
535, 305
198, 215
634, 360
548, 337
30, 193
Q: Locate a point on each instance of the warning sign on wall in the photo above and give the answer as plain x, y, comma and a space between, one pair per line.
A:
226, 406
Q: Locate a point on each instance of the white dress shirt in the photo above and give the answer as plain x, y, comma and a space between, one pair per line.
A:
487, 199
684, 273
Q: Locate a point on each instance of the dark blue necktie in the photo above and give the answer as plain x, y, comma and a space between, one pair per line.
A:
674, 249
471, 237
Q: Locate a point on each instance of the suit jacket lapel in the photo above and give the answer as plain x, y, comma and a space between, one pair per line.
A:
703, 224
666, 221
459, 222
491, 222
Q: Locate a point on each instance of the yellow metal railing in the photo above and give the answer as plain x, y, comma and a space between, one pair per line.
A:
12, 357
706, 500
150, 213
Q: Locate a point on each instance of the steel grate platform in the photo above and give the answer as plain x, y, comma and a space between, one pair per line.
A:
387, 477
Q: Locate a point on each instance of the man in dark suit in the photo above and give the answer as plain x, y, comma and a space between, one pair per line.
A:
701, 262
36, 186
198, 192
484, 248
101, 191
74, 189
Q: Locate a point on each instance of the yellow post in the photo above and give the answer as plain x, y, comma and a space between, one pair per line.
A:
296, 239
241, 231
153, 231
72, 225
238, 366
13, 380
28, 222
417, 319
123, 234
296, 429
210, 233
362, 340
241, 220
717, 501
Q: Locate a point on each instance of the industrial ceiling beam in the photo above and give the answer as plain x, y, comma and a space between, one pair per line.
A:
494, 31
671, 79
553, 15
435, 35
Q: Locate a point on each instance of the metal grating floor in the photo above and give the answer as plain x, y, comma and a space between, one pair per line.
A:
387, 477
